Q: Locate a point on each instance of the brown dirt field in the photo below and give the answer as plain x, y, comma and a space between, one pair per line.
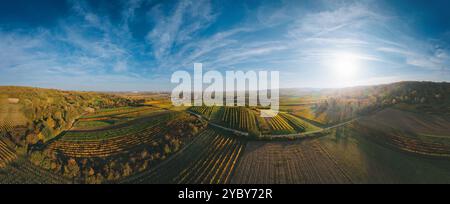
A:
288, 162
422, 134
407, 121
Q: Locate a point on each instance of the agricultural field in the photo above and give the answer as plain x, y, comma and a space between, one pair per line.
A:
280, 125
105, 147
247, 119
6, 126
117, 112
306, 112
412, 132
7, 154
344, 156
370, 161
10, 112
126, 128
328, 137
23, 171
107, 154
240, 118
91, 124
205, 111
113, 116
298, 124
209, 159
287, 162
224, 92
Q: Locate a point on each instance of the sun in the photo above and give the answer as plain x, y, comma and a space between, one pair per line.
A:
345, 65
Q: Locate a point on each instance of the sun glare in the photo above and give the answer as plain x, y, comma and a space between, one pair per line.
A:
345, 65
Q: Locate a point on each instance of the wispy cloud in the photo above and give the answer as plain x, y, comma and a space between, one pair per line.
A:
142, 41
331, 21
187, 18
421, 55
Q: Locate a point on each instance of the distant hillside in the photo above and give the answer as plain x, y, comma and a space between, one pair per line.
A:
412, 88
28, 115
431, 97
335, 105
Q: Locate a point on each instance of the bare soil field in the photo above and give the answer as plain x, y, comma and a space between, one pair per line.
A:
369, 161
343, 156
422, 134
288, 162
408, 121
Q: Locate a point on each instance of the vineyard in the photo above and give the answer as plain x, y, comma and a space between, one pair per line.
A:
114, 140
66, 137
430, 145
24, 172
117, 111
128, 128
210, 158
422, 134
114, 117
288, 162
205, 111
279, 125
90, 124
307, 112
5, 126
299, 124
7, 154
240, 118
369, 161
247, 119
107, 147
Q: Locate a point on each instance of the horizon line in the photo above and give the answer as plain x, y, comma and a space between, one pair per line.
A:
284, 88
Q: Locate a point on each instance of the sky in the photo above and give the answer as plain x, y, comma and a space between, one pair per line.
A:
136, 45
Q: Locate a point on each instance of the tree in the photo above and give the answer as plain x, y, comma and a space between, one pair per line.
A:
167, 149
72, 169
127, 170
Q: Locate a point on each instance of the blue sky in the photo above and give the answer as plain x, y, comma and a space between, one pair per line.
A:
106, 45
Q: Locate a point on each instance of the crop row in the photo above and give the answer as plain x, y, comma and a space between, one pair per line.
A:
132, 127
299, 124
23, 172
287, 162
205, 111
5, 126
108, 147
116, 111
239, 118
406, 141
279, 124
210, 158
6, 153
